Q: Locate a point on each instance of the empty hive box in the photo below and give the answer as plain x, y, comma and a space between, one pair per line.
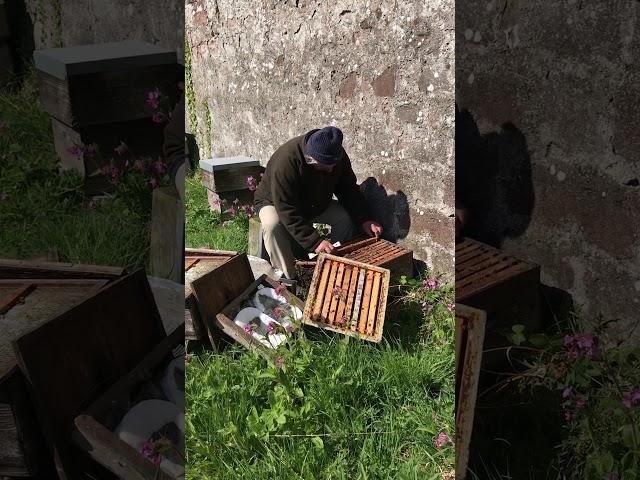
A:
85, 87
226, 179
348, 297
373, 251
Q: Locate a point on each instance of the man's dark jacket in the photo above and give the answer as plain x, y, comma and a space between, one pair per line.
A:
299, 192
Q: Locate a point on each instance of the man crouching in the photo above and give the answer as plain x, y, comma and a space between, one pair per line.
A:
297, 191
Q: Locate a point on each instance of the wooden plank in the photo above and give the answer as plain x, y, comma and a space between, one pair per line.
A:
366, 300
16, 297
358, 300
78, 355
342, 301
208, 252
326, 303
214, 290
317, 307
167, 234
373, 307
15, 269
351, 295
471, 324
331, 318
119, 457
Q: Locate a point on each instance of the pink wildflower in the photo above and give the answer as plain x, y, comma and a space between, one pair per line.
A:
280, 289
277, 312
290, 328
251, 185
112, 173
442, 439
581, 345
279, 362
250, 327
148, 451
153, 99
271, 329
431, 284
567, 392
631, 398
451, 307
92, 205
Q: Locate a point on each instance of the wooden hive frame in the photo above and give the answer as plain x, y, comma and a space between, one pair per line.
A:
358, 308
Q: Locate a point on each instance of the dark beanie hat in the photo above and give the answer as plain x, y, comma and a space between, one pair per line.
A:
325, 145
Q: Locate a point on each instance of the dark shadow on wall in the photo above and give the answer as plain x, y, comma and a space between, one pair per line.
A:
21, 41
390, 210
493, 180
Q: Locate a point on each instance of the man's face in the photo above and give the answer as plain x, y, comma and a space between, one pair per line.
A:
321, 167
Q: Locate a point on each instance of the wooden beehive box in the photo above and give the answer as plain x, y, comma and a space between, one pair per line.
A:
470, 327
505, 287
224, 319
197, 263
348, 297
226, 179
373, 251
82, 362
31, 293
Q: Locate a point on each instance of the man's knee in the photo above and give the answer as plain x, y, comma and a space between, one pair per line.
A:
269, 219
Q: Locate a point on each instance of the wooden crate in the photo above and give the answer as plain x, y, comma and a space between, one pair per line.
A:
31, 293
104, 83
358, 308
470, 326
73, 359
373, 251
229, 173
216, 289
199, 262
94, 427
225, 322
505, 287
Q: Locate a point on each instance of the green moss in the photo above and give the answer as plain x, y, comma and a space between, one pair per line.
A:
190, 94
207, 124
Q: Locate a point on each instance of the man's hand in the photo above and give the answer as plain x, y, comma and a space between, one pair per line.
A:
371, 228
324, 246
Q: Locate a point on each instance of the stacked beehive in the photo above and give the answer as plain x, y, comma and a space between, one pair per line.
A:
226, 179
97, 94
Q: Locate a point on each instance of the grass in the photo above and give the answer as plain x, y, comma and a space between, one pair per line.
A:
42, 210
338, 408
203, 228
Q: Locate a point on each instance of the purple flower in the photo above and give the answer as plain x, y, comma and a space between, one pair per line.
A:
279, 362
251, 185
442, 439
290, 328
431, 283
250, 327
451, 307
631, 398
271, 329
581, 345
277, 312
148, 451
280, 289
153, 99
567, 392
92, 205
112, 173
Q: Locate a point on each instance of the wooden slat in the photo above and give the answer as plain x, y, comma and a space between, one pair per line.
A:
358, 300
351, 295
16, 297
317, 307
331, 319
342, 302
366, 300
327, 296
373, 308
17, 269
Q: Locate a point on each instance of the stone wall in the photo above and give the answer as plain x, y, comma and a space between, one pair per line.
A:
548, 91
380, 70
77, 22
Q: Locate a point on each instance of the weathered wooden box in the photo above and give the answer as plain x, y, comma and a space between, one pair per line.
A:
32, 293
470, 326
106, 82
77, 362
216, 289
199, 262
348, 297
505, 287
226, 179
224, 319
374, 251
